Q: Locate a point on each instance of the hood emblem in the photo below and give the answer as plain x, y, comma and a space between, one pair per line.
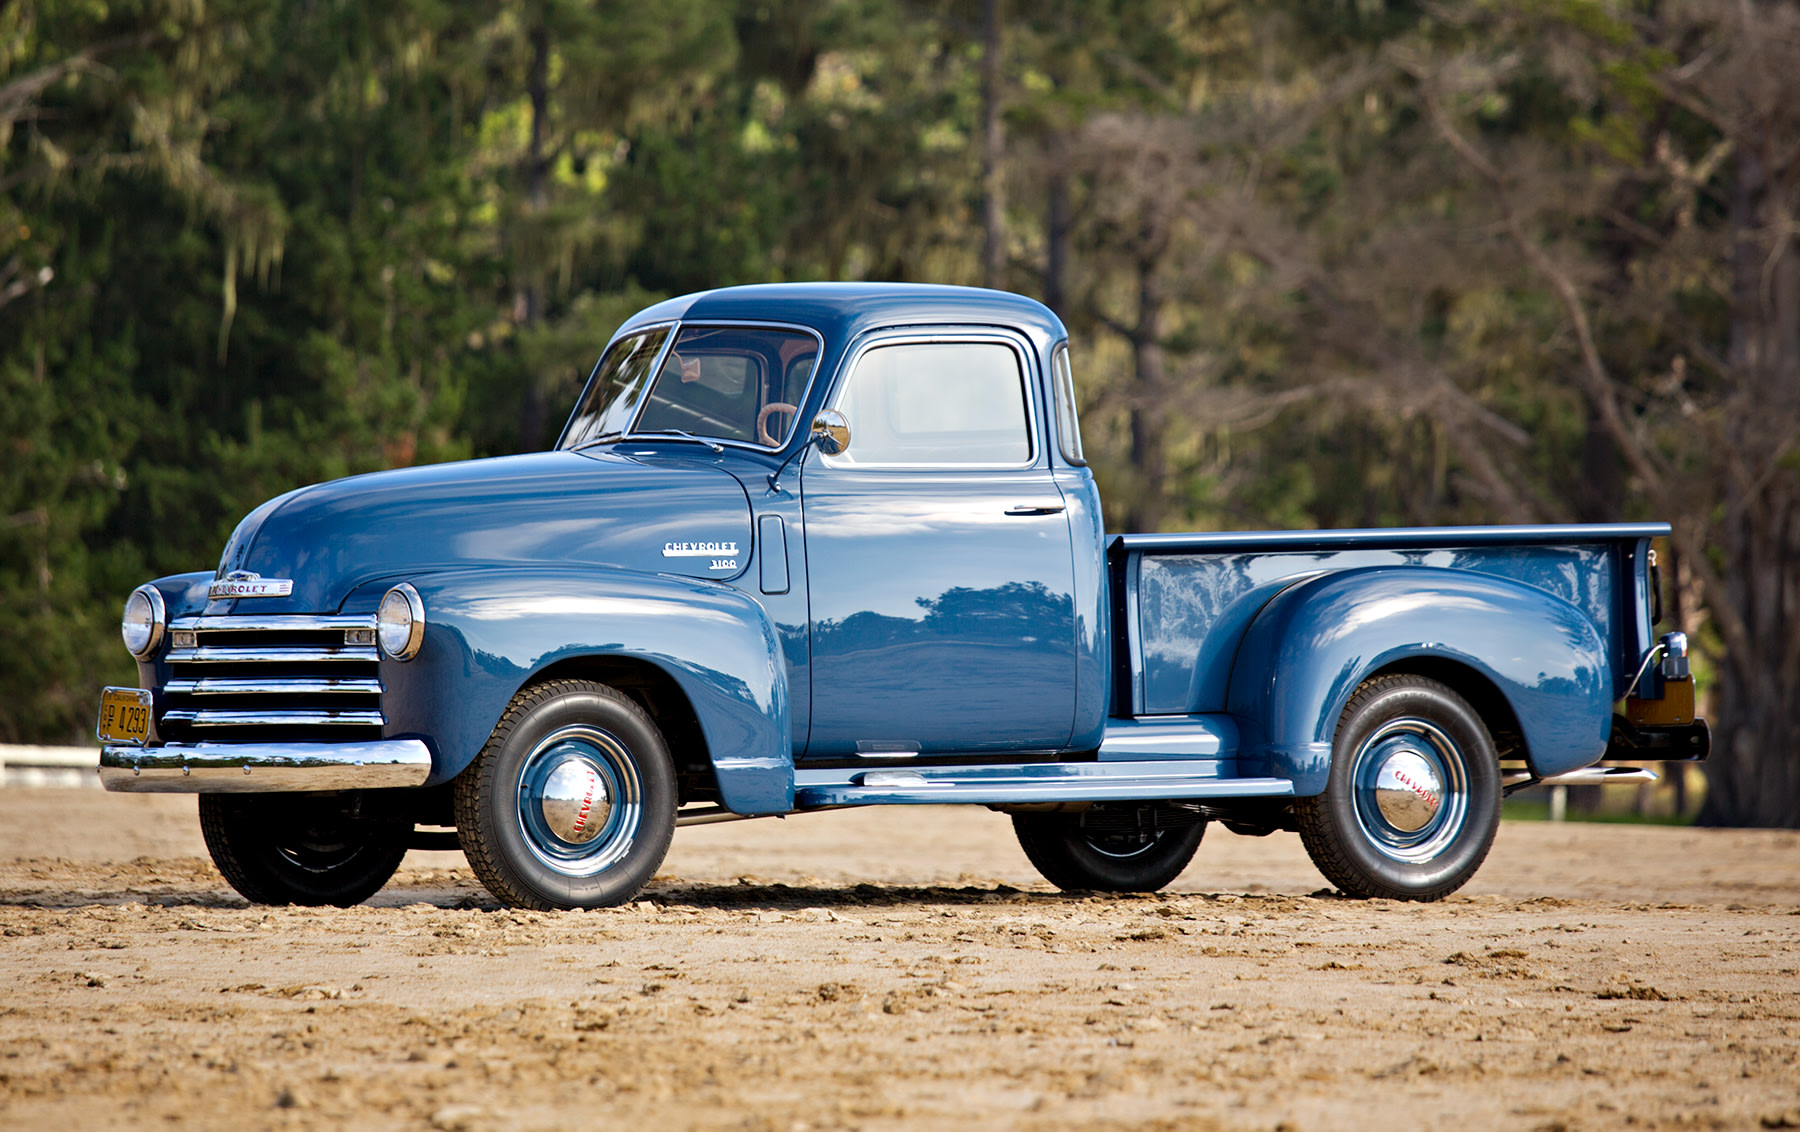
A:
243, 583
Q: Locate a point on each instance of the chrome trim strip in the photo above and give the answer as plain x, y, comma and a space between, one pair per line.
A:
273, 654
1586, 776
712, 815
994, 784
1405, 538
273, 624
274, 686
299, 717
1145, 787
252, 768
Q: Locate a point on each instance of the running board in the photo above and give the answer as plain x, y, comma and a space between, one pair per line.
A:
1029, 782
1586, 776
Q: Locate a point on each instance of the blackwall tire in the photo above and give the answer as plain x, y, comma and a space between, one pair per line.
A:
1076, 858
1413, 801
296, 849
572, 802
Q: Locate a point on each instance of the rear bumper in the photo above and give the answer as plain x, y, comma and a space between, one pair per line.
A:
1687, 742
261, 768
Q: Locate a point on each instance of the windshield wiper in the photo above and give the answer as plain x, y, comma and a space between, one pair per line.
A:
685, 435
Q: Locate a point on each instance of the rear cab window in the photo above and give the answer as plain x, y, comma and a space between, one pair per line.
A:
1068, 421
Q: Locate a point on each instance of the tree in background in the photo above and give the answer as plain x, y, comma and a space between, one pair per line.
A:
101, 108
1325, 264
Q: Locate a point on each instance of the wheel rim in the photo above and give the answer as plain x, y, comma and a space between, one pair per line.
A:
1121, 843
1124, 846
580, 801
1411, 790
318, 845
319, 852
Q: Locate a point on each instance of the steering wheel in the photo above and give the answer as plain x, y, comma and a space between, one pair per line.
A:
762, 419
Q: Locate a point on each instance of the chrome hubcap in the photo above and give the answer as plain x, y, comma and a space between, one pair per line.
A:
1411, 790
580, 801
1408, 791
575, 803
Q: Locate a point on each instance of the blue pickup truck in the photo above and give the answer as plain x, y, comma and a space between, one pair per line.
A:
810, 546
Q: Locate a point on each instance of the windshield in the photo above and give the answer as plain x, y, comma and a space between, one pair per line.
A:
742, 383
607, 405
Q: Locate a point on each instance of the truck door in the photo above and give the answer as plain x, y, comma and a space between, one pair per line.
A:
938, 558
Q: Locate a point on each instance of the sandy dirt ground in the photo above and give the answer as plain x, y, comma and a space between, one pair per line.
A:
900, 969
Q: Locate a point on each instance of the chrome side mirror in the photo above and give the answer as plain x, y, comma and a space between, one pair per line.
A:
830, 432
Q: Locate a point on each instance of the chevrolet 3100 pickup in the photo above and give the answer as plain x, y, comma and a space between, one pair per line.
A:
811, 546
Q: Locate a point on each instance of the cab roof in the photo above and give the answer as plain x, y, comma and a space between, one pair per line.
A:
840, 311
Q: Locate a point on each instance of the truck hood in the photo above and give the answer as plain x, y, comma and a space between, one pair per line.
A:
590, 508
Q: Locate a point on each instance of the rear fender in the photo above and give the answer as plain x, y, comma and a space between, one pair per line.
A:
1307, 650
490, 632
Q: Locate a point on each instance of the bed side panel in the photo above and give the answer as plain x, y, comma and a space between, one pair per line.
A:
1192, 609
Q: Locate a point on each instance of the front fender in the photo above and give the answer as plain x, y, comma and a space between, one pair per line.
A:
184, 595
489, 632
1307, 650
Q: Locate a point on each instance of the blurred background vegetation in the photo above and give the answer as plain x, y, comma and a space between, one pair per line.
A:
1326, 263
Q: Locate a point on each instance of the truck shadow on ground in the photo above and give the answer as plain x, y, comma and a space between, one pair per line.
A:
754, 894
58, 883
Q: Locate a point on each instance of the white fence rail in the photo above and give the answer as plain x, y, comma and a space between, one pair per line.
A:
49, 766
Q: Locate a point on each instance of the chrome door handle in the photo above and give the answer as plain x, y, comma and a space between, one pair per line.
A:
1034, 508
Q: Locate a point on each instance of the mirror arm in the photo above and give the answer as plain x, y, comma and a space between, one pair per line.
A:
830, 433
775, 476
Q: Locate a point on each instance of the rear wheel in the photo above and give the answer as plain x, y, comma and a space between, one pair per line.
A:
298, 849
1110, 846
1413, 801
572, 802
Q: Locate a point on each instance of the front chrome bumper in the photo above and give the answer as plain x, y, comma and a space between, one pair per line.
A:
262, 768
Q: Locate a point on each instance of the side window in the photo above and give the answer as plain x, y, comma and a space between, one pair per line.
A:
1068, 424
936, 403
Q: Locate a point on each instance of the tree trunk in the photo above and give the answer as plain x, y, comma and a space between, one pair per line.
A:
1753, 775
1145, 512
1602, 498
528, 304
1058, 220
993, 198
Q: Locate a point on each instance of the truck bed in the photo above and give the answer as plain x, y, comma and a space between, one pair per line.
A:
1181, 603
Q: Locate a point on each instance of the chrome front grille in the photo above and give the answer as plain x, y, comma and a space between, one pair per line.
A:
271, 678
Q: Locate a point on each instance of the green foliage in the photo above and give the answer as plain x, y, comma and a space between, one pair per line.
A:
1322, 259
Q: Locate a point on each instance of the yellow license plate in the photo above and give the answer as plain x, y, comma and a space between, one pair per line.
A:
124, 716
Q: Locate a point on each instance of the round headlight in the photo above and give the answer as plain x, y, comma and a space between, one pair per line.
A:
141, 627
400, 622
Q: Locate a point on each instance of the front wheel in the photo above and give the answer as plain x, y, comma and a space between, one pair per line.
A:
1413, 801
1110, 846
295, 849
572, 802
